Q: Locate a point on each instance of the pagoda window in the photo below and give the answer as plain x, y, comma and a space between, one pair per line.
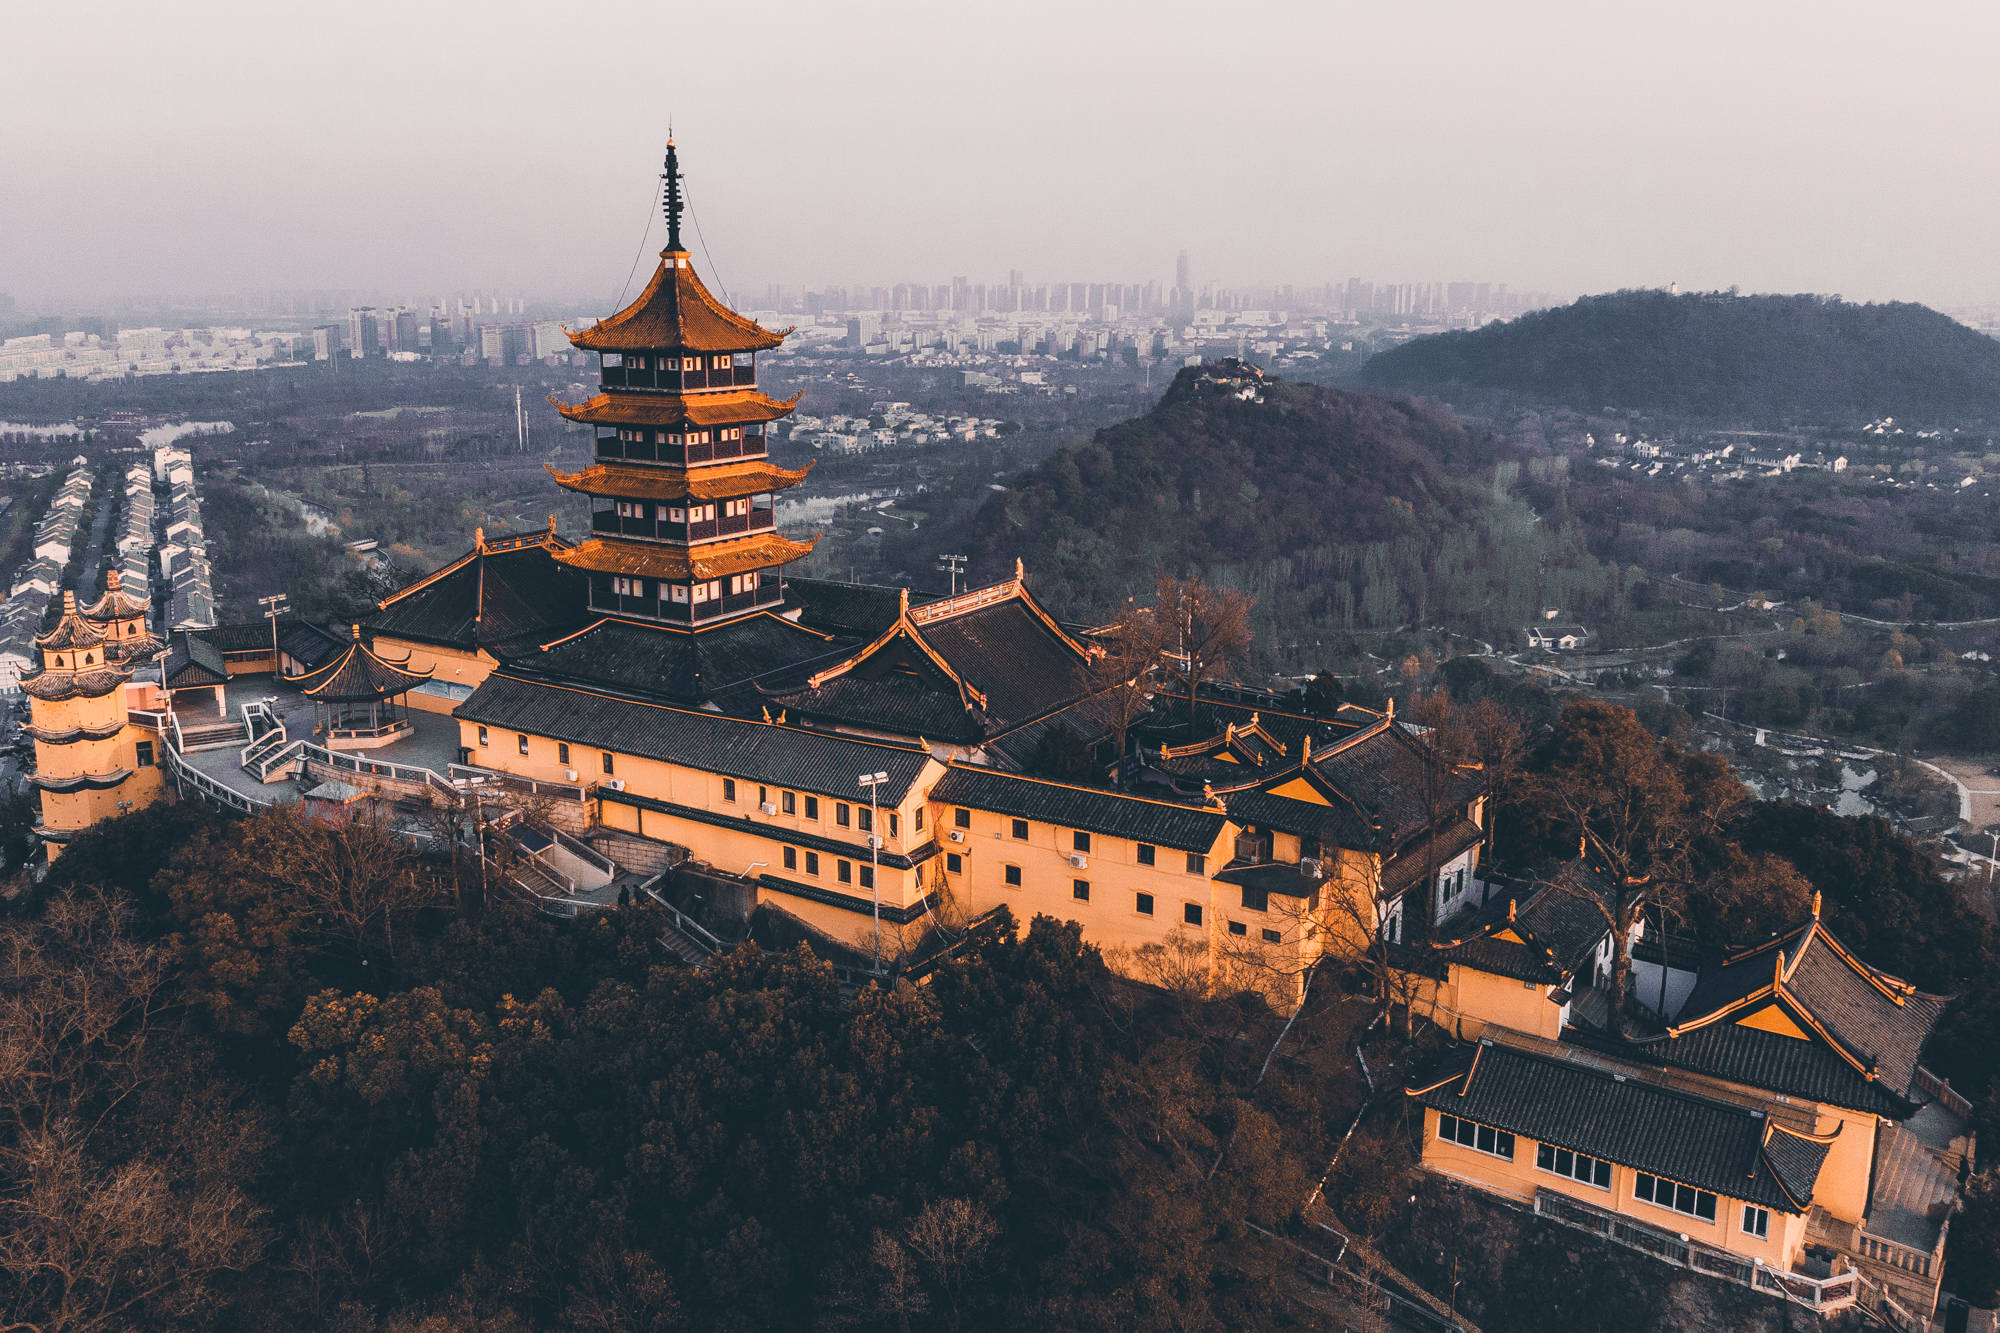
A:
690, 363
612, 360
680, 593
676, 515
724, 362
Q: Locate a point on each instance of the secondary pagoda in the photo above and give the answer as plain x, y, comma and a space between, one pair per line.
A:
682, 523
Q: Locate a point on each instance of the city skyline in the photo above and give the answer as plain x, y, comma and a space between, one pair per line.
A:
1568, 150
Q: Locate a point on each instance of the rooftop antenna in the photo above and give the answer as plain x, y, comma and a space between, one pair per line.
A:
672, 202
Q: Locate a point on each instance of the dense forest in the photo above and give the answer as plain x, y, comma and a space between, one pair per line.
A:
1720, 356
1338, 511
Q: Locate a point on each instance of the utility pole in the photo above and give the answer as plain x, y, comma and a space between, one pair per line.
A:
955, 564
871, 781
274, 606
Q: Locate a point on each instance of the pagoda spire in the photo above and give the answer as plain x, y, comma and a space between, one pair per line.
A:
672, 202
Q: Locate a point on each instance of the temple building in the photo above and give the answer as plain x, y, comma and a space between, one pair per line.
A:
360, 697
91, 762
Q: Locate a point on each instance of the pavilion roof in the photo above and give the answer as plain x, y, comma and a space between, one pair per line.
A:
358, 676
676, 310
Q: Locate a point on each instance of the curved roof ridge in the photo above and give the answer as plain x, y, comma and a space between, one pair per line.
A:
659, 317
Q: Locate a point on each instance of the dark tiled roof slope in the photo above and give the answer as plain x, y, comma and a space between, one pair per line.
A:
1557, 924
1413, 862
900, 703
689, 667
1333, 825
1693, 1140
1091, 719
1758, 1059
1385, 774
1861, 1017
862, 610
735, 747
1183, 827
192, 660
495, 598
1007, 653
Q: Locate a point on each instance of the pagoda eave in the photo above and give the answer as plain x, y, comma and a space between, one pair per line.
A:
729, 407
726, 481
676, 311
738, 555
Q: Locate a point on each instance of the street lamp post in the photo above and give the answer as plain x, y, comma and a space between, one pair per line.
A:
871, 781
274, 606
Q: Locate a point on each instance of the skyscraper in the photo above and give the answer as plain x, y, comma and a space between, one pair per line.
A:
364, 333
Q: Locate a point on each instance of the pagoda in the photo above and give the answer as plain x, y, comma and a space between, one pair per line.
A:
91, 761
682, 524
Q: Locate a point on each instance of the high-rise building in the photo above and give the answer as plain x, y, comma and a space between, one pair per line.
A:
327, 342
364, 332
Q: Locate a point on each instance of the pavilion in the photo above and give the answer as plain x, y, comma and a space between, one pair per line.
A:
358, 697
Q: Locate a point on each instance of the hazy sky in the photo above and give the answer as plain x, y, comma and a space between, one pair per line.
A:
417, 148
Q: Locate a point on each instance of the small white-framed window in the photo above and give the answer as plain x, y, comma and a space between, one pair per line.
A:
1756, 1221
690, 363
1479, 1138
700, 593
724, 362
676, 515
680, 592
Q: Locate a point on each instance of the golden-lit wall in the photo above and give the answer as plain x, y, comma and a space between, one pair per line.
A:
749, 835
453, 666
1520, 1178
1111, 916
1467, 1000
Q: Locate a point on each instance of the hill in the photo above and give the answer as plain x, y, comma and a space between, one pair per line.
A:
1716, 355
1340, 511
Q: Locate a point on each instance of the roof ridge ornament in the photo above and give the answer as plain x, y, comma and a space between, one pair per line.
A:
671, 203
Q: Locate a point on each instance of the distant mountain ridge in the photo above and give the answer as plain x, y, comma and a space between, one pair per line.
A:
1717, 355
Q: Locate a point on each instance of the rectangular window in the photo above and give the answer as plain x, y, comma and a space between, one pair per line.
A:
675, 514
522, 742
1080, 840
868, 877
1020, 830
844, 871
892, 825
1014, 877
1256, 900
1191, 913
1575, 1165
607, 761
1144, 904
1479, 1138
953, 863
791, 858
961, 818
482, 735
866, 818
788, 801
1273, 936
1146, 853
1756, 1221
812, 863
918, 817
700, 593
145, 749
1663, 1193
1197, 864
729, 790
812, 807
1238, 928
763, 797
840, 813
562, 753
1079, 889
680, 592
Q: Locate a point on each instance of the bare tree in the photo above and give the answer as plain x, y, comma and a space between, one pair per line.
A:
1206, 628
1121, 672
354, 874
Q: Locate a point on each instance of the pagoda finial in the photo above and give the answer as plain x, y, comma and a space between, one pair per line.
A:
357, 632
672, 202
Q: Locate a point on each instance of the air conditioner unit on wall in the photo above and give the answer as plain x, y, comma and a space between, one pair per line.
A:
958, 835
874, 842
1078, 861
569, 775
616, 784
1312, 867
768, 808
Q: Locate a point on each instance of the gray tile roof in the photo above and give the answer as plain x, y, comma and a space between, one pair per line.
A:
753, 751
1188, 828
1616, 1115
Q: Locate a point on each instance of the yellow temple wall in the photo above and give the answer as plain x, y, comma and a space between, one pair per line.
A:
452, 665
1520, 1178
1468, 1000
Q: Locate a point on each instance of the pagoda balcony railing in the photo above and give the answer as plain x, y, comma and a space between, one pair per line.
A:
726, 525
769, 593
611, 449
679, 381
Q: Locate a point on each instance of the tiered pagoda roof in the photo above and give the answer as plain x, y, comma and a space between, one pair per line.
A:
714, 560
358, 676
631, 481
724, 407
677, 310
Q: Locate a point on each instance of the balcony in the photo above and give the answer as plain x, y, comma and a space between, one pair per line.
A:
677, 381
